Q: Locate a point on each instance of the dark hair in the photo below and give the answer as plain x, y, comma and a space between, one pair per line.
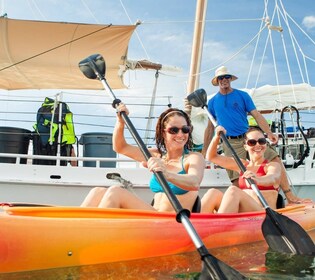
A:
253, 128
160, 126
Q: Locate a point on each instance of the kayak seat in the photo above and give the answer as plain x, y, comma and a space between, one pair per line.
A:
280, 201
196, 207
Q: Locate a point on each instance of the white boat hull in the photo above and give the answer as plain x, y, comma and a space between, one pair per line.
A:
67, 185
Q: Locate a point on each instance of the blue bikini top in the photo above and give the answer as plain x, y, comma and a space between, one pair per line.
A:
156, 187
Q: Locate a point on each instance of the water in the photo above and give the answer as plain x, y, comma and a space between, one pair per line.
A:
250, 259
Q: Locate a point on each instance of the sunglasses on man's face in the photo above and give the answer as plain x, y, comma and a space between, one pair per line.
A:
220, 78
253, 142
174, 130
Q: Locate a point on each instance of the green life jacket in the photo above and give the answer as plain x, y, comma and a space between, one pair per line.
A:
47, 124
252, 122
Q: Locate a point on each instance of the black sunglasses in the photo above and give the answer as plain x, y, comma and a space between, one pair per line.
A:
174, 130
253, 142
220, 78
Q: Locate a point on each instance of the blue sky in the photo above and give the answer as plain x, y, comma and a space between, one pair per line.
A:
167, 31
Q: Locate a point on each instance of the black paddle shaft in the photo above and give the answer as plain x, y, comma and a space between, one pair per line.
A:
215, 269
146, 153
281, 233
243, 169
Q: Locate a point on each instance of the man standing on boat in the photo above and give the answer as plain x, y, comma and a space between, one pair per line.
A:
230, 108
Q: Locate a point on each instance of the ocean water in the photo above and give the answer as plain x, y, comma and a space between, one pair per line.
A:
252, 260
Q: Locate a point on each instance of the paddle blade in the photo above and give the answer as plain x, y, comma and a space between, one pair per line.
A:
285, 235
219, 270
91, 65
198, 98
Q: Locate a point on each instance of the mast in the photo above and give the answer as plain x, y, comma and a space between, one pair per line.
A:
196, 54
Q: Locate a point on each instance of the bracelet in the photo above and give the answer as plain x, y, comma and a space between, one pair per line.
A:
286, 191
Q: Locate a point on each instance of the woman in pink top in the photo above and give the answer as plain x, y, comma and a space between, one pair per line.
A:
265, 174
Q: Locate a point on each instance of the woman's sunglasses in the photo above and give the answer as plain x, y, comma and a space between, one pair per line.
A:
253, 142
174, 130
224, 77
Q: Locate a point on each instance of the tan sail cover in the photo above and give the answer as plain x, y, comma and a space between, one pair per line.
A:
45, 55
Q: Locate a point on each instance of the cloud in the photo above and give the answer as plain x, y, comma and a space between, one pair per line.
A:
309, 22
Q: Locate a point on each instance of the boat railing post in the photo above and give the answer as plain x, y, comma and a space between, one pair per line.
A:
309, 163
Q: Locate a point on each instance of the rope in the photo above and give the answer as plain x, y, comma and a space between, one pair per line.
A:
207, 20
151, 111
255, 50
37, 8
89, 10
261, 62
137, 34
284, 15
286, 56
232, 56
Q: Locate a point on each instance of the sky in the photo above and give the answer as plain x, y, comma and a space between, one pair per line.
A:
165, 36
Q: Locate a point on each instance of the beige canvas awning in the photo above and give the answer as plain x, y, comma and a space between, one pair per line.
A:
45, 55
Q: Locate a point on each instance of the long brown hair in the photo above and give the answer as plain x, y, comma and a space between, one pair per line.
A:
160, 126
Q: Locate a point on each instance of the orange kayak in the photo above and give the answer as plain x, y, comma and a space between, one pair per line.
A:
34, 238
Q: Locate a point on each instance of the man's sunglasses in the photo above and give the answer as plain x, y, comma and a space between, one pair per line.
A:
174, 130
220, 78
253, 142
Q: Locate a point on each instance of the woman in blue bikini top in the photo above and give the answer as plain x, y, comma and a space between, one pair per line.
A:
156, 187
182, 168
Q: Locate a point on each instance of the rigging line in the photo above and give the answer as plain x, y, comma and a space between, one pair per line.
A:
2, 8
137, 34
284, 15
98, 95
275, 64
262, 60
151, 110
289, 69
312, 59
99, 116
232, 56
37, 8
286, 54
304, 61
222, 63
54, 48
303, 57
69, 102
306, 70
255, 50
301, 29
273, 55
193, 21
89, 10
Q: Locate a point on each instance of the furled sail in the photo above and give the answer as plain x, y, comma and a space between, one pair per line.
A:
269, 98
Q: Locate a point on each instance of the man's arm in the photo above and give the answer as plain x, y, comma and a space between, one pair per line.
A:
207, 137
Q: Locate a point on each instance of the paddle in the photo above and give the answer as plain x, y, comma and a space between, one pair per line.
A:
93, 67
281, 233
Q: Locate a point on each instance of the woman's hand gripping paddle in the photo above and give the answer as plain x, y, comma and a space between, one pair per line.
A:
281, 233
93, 67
